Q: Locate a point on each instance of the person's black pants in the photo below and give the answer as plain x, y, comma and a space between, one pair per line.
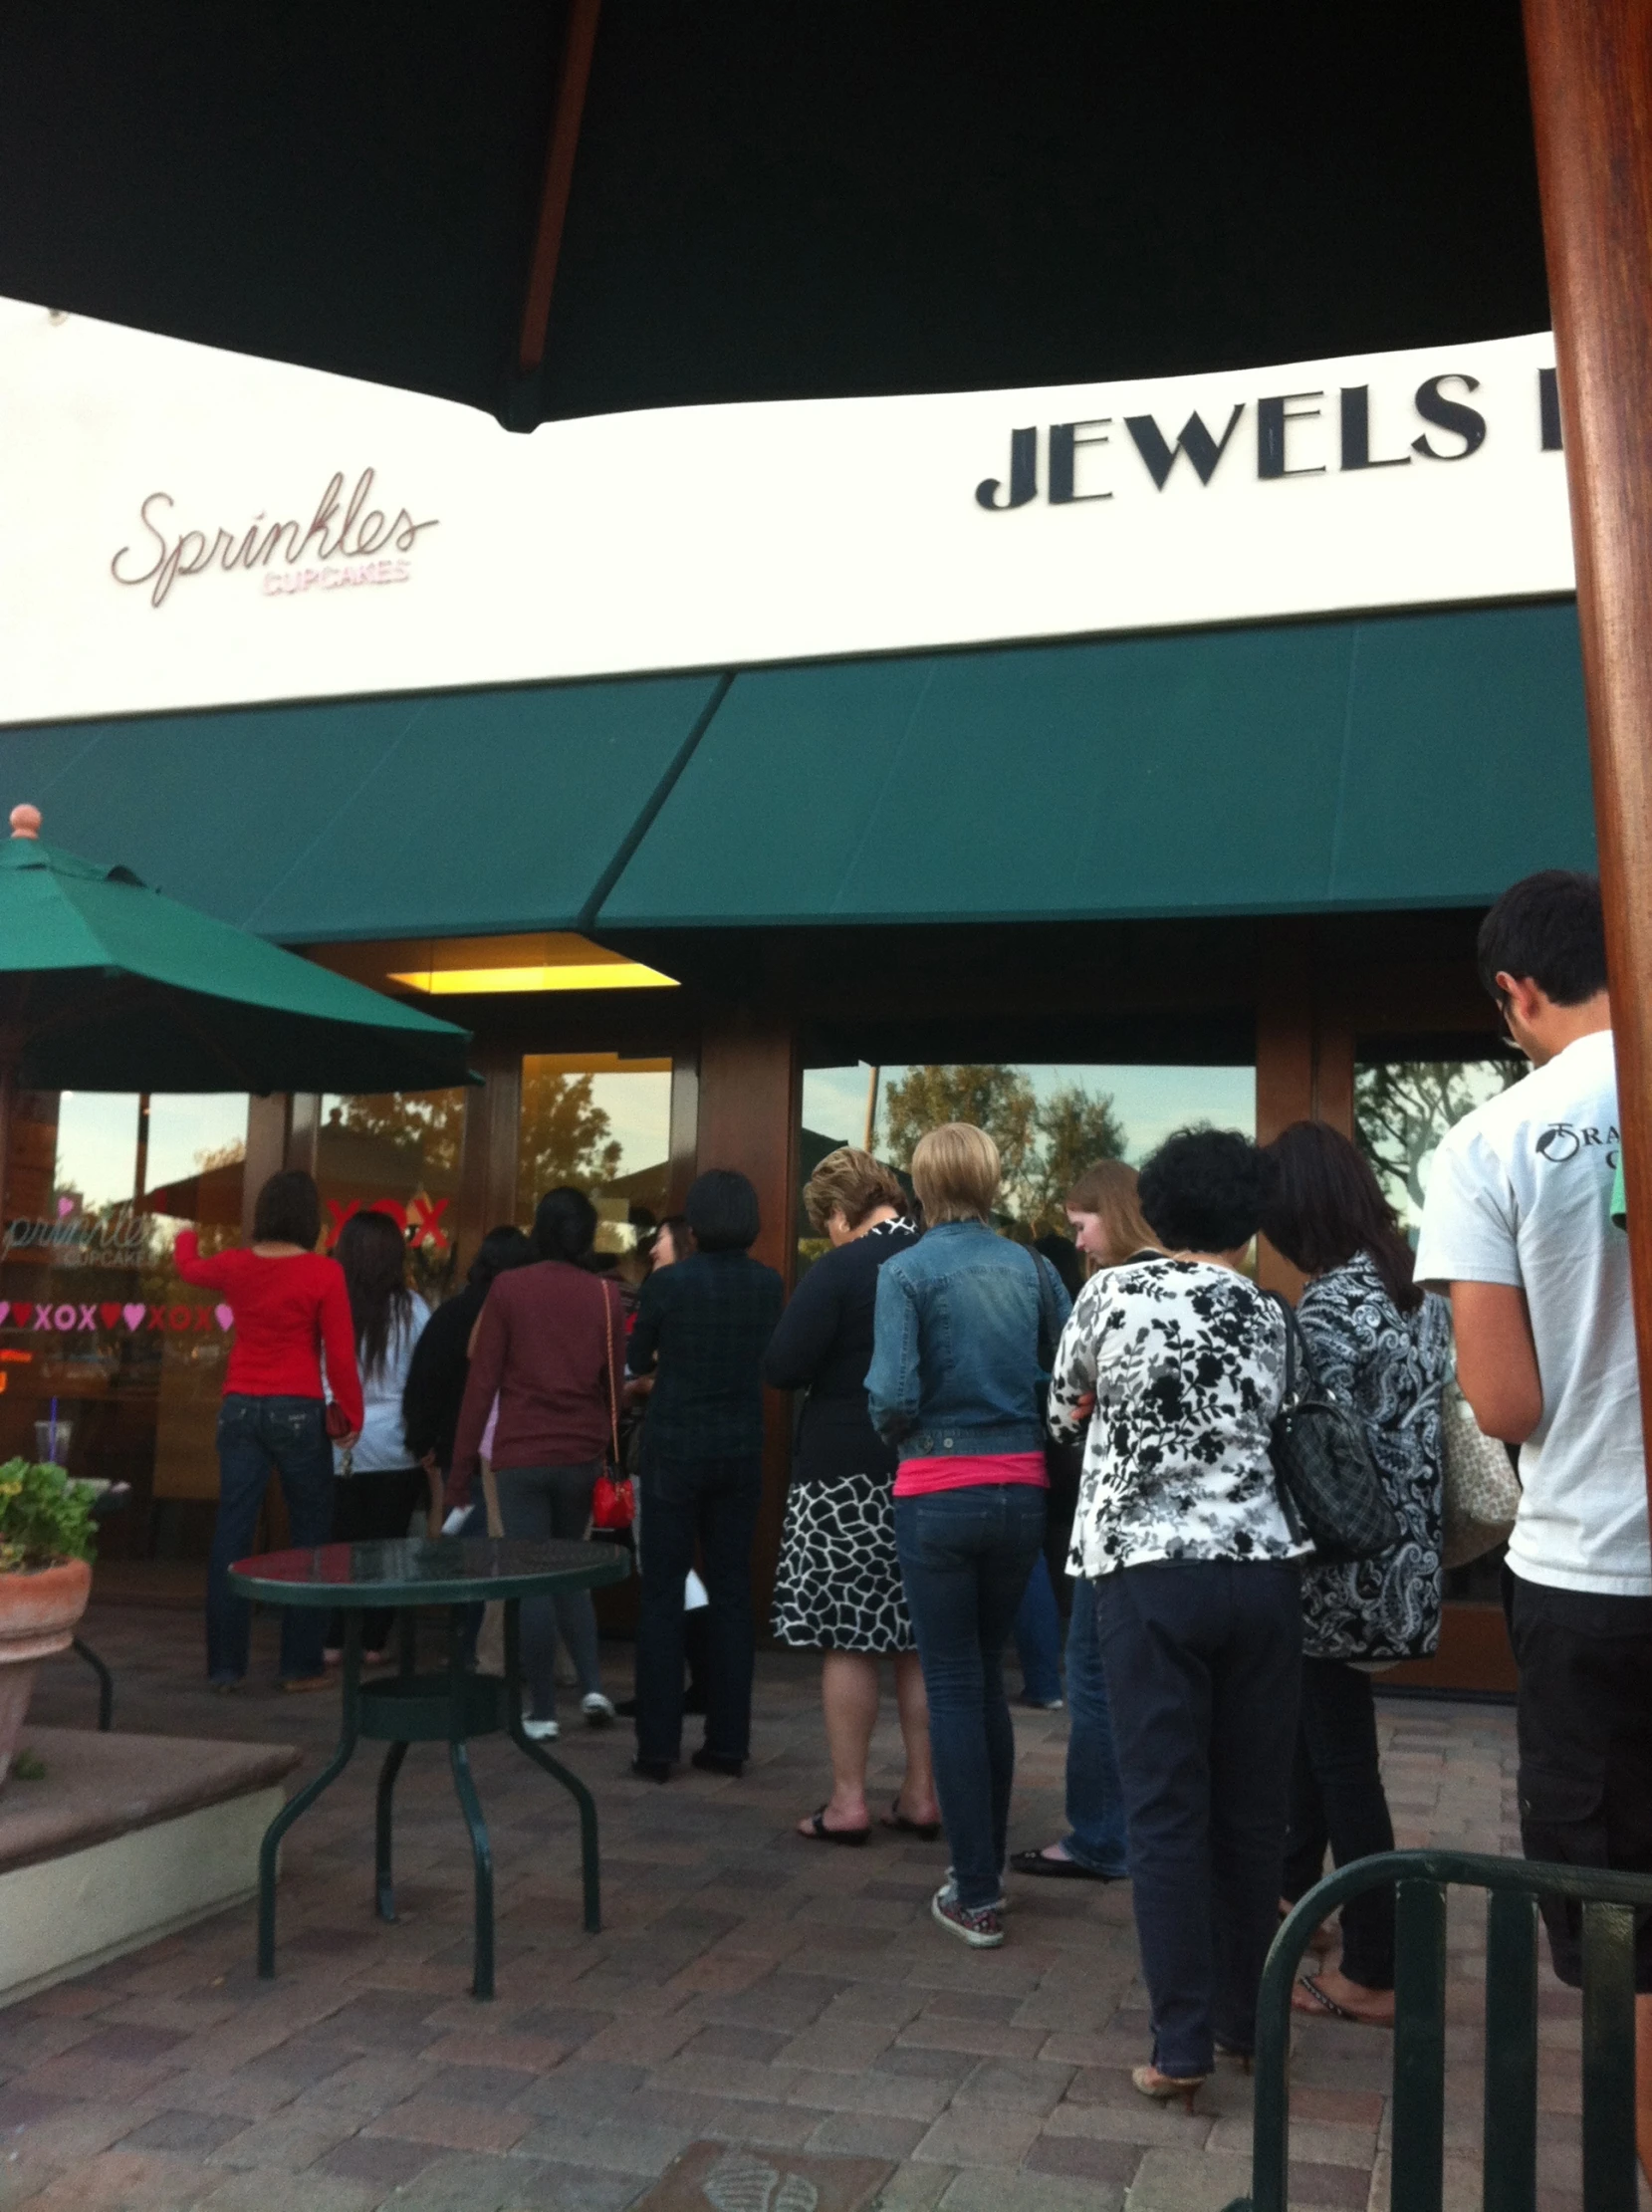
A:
1336, 1799
712, 1502
1203, 1660
1584, 1723
366, 1506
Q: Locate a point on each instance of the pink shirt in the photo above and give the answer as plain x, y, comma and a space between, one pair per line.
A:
966, 1471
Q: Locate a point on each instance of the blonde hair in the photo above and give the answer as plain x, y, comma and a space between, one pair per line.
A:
854, 1183
956, 1172
1109, 1190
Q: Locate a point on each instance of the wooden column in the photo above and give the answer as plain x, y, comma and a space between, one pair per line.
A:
1590, 68
488, 1149
750, 1109
1305, 1061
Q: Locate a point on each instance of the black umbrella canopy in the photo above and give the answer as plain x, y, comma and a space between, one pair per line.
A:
555, 207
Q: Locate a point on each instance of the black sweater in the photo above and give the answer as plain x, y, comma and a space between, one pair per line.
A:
825, 1344
436, 1385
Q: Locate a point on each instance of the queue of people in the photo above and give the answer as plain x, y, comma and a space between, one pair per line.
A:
1219, 1672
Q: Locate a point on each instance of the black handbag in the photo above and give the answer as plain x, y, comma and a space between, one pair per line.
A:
1329, 1485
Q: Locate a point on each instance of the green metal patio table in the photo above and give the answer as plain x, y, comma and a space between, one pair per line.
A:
451, 1707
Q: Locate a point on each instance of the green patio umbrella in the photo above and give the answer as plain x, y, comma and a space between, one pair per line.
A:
107, 985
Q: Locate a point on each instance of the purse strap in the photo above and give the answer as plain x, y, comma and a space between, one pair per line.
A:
1294, 1344
613, 1399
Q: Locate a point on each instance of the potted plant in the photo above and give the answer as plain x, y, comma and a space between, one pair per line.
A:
46, 1549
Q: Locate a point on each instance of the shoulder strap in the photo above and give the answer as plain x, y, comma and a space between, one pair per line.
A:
1293, 1337
608, 1363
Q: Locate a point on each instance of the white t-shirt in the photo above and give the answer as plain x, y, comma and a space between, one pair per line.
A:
1520, 1193
383, 1443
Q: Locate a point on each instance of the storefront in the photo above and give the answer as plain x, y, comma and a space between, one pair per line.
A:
747, 779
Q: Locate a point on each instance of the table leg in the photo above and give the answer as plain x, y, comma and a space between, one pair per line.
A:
590, 1862
381, 1859
105, 1685
348, 1727
458, 1758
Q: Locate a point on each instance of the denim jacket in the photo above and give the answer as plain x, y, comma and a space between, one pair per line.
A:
966, 1328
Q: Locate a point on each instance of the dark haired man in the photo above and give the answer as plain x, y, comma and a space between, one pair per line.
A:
1517, 1225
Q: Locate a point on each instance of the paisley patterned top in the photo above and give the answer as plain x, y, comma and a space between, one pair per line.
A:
1187, 1362
1389, 1368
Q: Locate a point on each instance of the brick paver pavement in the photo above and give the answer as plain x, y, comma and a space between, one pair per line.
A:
748, 1987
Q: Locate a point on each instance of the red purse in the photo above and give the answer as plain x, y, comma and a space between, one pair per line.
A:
614, 1499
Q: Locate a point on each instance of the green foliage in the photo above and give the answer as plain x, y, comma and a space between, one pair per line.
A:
564, 1136
44, 1517
427, 1124
1044, 1149
1402, 1108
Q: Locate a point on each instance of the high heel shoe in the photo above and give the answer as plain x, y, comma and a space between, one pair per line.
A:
1164, 2087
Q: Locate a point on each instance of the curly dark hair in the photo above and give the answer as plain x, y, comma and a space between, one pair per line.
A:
1204, 1190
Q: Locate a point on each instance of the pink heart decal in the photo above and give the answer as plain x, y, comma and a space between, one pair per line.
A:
65, 1206
133, 1316
5, 1308
224, 1316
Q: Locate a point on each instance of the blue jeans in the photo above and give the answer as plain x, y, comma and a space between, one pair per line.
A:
1204, 1662
254, 1436
1039, 1638
965, 1555
1094, 1790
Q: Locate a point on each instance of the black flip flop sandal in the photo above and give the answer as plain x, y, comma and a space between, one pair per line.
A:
819, 1833
1055, 1870
926, 1830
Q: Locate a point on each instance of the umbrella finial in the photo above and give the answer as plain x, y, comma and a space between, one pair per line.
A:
25, 822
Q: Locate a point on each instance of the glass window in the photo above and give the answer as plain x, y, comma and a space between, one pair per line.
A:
602, 1122
1050, 1120
397, 1152
1403, 1107
93, 1319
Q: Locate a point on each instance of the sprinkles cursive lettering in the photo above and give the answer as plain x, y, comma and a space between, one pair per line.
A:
287, 551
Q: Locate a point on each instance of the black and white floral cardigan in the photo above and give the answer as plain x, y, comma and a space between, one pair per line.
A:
1389, 1367
1186, 1360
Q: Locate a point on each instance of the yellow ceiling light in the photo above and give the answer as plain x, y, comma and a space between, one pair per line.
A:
566, 962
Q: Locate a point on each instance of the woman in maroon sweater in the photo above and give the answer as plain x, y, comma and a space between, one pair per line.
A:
290, 1306
550, 1343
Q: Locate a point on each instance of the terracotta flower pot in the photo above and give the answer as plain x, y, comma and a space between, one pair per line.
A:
38, 1613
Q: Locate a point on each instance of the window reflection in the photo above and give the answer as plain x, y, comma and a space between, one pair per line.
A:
1403, 1107
397, 1152
1050, 1120
91, 1313
602, 1122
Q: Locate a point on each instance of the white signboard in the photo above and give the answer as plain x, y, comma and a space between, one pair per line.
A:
181, 527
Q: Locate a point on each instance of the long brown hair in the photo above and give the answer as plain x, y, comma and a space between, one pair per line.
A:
1326, 1205
374, 1256
1109, 1190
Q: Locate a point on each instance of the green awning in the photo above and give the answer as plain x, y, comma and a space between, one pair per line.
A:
1422, 760
1415, 760
452, 812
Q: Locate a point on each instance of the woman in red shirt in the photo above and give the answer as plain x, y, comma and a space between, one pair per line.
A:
290, 1306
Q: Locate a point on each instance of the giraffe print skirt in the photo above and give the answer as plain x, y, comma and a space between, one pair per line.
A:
839, 1585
